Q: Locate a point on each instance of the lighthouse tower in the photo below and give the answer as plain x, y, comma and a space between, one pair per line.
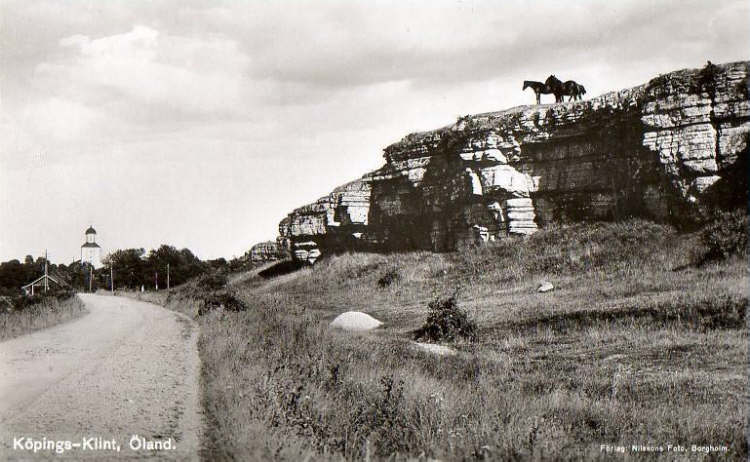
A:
90, 250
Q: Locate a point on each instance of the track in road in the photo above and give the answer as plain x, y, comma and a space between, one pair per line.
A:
126, 368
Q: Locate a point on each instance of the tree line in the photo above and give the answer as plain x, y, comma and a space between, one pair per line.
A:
132, 269
14, 274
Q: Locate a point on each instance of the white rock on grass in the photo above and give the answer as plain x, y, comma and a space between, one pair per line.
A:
545, 286
436, 349
355, 321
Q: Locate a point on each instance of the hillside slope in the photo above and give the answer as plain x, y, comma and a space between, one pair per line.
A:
642, 341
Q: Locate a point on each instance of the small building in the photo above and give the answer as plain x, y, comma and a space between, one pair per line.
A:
90, 251
43, 282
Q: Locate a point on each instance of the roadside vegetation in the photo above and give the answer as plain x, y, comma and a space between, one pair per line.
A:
642, 341
24, 314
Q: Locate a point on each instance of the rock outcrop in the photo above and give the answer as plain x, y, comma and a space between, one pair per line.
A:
671, 150
266, 251
336, 221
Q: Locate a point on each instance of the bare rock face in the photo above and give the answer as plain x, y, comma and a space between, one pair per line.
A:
266, 251
336, 221
670, 150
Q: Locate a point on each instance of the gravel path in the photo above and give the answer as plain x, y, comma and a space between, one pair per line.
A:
127, 368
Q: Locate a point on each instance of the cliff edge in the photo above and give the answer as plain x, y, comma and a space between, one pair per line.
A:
671, 150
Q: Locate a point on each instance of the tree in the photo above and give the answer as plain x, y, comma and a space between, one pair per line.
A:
183, 264
129, 266
133, 268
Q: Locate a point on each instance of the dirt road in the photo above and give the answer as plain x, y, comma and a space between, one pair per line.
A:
84, 389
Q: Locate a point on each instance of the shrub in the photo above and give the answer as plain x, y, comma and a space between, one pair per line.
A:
21, 302
6, 304
391, 275
359, 271
223, 299
446, 321
707, 79
212, 281
725, 235
384, 419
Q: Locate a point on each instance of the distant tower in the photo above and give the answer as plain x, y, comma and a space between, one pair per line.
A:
90, 250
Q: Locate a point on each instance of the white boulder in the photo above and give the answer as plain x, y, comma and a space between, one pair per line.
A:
355, 321
545, 286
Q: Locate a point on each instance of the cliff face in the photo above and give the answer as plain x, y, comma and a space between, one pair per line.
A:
266, 251
670, 150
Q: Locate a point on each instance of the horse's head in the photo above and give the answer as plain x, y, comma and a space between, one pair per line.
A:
526, 84
581, 89
552, 80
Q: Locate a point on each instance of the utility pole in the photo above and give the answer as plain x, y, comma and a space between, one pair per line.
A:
156, 280
167, 276
111, 280
46, 281
91, 275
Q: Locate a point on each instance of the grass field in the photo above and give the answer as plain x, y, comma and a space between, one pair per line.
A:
637, 345
48, 312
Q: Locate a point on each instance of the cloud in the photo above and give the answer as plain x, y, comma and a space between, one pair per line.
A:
349, 44
163, 74
59, 119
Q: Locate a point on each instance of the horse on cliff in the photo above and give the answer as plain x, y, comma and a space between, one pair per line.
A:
555, 86
539, 89
574, 90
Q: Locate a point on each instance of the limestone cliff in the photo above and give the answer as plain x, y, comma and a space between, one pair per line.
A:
671, 150
266, 251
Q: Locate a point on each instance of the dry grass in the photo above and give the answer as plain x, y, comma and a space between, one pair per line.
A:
634, 346
48, 312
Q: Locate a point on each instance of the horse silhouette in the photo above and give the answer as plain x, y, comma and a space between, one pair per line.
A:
539, 89
555, 86
574, 90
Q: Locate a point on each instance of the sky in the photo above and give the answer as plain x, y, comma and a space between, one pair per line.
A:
201, 124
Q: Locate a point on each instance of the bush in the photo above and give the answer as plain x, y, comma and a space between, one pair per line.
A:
446, 321
21, 302
391, 275
707, 79
212, 281
725, 235
220, 300
6, 304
